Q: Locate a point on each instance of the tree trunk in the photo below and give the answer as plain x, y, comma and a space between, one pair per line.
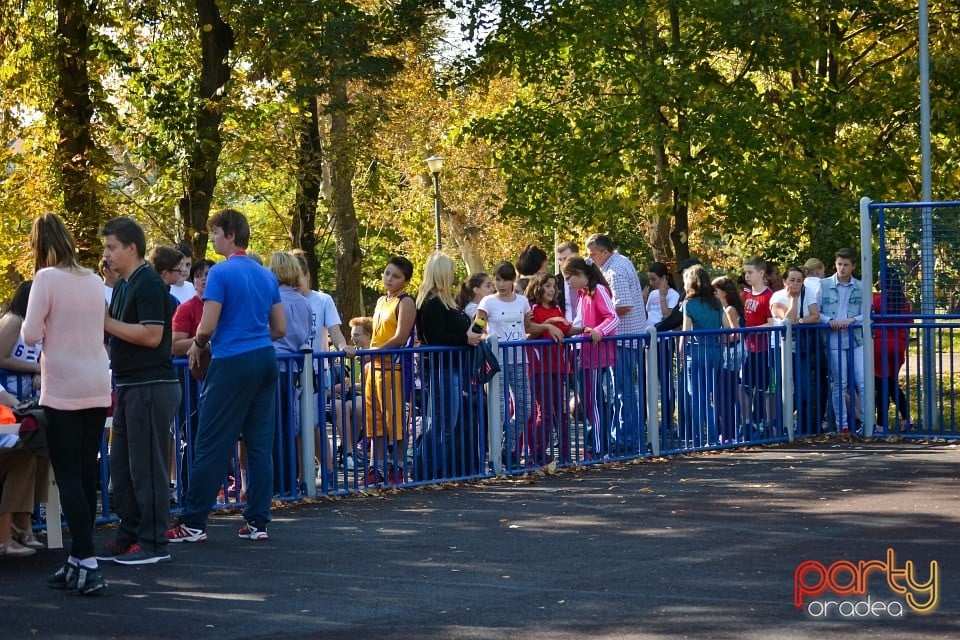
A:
464, 237
680, 234
216, 42
349, 295
309, 180
658, 229
75, 147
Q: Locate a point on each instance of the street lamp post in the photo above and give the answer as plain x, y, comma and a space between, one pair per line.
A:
435, 163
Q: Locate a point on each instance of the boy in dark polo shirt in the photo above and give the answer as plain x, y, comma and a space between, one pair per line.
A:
148, 394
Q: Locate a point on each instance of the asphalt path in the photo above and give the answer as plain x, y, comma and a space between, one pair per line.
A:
700, 546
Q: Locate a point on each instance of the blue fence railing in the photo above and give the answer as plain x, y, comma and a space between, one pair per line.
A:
427, 414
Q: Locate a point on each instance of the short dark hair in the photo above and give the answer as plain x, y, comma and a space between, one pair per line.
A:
531, 260
405, 266
185, 249
600, 241
568, 246
165, 259
797, 268
199, 266
233, 223
757, 263
845, 253
505, 271
126, 231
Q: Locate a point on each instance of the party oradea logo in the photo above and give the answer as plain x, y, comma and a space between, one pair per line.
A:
868, 589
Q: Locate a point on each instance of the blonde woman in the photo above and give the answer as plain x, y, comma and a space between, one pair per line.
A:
445, 449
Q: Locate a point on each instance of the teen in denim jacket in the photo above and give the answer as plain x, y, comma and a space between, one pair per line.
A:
842, 297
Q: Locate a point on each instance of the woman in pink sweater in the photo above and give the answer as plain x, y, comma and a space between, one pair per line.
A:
596, 319
66, 311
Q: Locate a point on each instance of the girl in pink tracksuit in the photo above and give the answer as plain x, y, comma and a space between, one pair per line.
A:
596, 319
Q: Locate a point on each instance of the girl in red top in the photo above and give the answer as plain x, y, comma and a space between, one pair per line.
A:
549, 367
890, 350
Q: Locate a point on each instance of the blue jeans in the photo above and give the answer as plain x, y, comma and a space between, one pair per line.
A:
513, 379
701, 371
841, 373
239, 397
626, 429
443, 450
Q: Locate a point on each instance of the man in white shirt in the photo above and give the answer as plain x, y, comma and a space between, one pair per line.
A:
565, 251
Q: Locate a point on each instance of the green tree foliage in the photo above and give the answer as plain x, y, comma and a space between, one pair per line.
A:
728, 127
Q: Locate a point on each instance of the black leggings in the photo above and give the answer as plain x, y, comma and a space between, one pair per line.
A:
893, 393
73, 439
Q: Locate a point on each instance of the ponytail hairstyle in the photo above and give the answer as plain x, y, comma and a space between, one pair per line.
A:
465, 294
661, 270
729, 288
576, 264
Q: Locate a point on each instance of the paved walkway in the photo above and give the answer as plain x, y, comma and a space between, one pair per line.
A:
696, 547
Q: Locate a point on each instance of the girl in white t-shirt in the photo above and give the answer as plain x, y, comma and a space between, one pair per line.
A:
663, 298
472, 291
508, 316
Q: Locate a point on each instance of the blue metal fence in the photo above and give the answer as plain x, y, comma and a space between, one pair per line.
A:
424, 415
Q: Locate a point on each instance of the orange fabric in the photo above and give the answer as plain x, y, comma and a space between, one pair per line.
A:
6, 415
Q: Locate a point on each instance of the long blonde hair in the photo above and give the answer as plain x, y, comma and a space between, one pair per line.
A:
52, 243
438, 276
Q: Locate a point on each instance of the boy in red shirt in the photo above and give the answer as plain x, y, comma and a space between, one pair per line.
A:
756, 374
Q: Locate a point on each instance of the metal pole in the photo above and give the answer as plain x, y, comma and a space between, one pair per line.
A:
788, 382
653, 394
928, 409
307, 465
926, 187
866, 283
494, 419
436, 205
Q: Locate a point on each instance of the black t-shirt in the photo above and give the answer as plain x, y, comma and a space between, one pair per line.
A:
438, 325
143, 299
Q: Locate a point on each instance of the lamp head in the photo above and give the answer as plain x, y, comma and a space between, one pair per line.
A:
435, 163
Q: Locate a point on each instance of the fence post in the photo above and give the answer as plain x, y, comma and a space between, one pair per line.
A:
54, 532
494, 419
866, 284
309, 469
653, 394
786, 375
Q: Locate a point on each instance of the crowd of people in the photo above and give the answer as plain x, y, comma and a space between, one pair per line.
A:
405, 400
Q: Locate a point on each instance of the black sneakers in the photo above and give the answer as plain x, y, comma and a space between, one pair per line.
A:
72, 577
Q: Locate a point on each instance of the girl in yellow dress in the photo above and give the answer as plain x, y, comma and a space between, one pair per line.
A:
393, 325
